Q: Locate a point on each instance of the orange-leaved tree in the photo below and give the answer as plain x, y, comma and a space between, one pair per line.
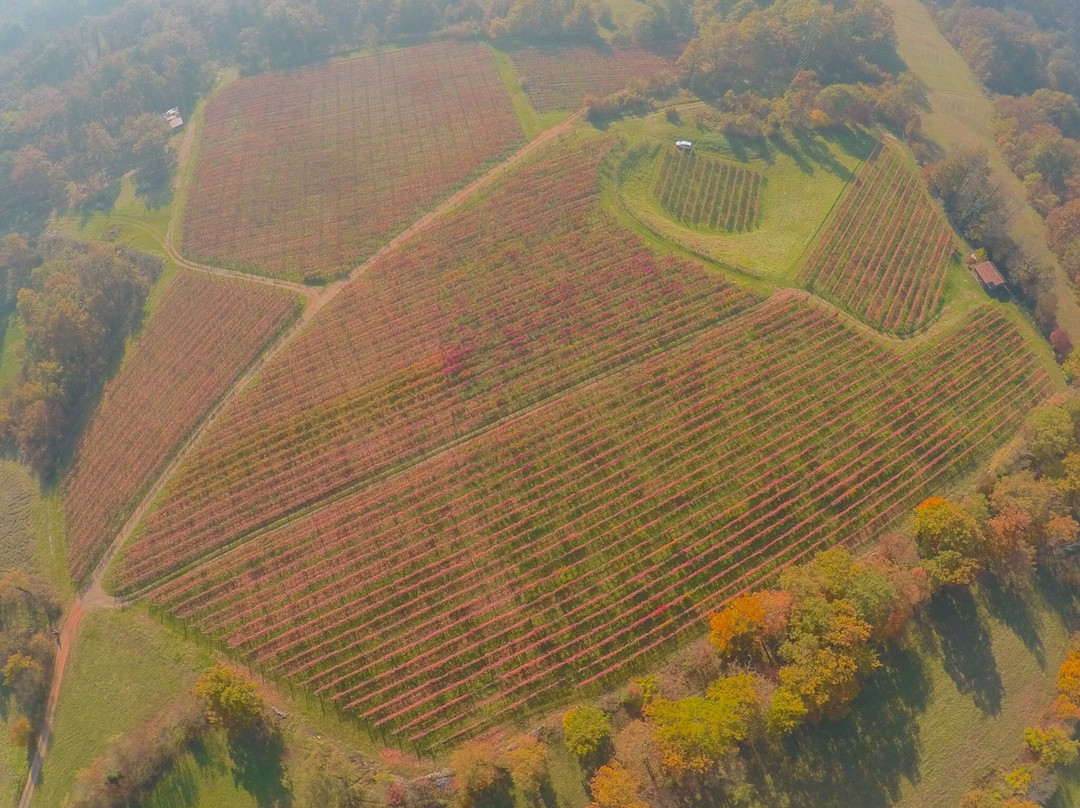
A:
750, 625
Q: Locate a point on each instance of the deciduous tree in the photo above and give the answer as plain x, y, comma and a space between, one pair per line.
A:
586, 729
613, 786
527, 762
475, 768
231, 700
694, 734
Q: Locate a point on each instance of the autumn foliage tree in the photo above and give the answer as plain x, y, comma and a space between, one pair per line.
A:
527, 762
950, 541
751, 625
586, 730
826, 654
694, 734
231, 700
475, 769
614, 786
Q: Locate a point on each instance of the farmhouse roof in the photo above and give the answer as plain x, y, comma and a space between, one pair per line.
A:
988, 275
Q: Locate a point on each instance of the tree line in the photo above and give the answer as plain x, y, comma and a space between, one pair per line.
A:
76, 304
764, 67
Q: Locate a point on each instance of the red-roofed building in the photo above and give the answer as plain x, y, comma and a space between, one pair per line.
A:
989, 277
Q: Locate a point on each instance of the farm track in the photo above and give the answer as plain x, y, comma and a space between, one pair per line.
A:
93, 595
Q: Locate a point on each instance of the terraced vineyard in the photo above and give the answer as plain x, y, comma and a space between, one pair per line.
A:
305, 174
522, 453
571, 542
885, 251
200, 338
509, 303
709, 192
561, 78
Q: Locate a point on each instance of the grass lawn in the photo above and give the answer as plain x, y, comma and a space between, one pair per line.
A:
805, 178
18, 493
1068, 795
202, 778
960, 118
953, 700
124, 669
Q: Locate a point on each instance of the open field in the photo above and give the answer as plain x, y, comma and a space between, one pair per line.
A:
801, 182
18, 491
711, 193
886, 250
204, 333
303, 175
569, 544
961, 117
31, 528
202, 778
512, 301
124, 669
561, 78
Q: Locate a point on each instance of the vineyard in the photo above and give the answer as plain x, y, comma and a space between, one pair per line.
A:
305, 174
560, 78
508, 303
203, 334
523, 453
564, 546
708, 192
886, 250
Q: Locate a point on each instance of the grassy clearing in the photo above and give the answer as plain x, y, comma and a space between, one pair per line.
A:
960, 118
1068, 795
13, 768
31, 528
11, 345
131, 221
18, 492
124, 669
951, 701
804, 180
624, 11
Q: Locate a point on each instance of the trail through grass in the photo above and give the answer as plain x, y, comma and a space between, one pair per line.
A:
532, 122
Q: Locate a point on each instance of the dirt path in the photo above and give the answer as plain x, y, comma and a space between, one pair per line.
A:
68, 627
93, 596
